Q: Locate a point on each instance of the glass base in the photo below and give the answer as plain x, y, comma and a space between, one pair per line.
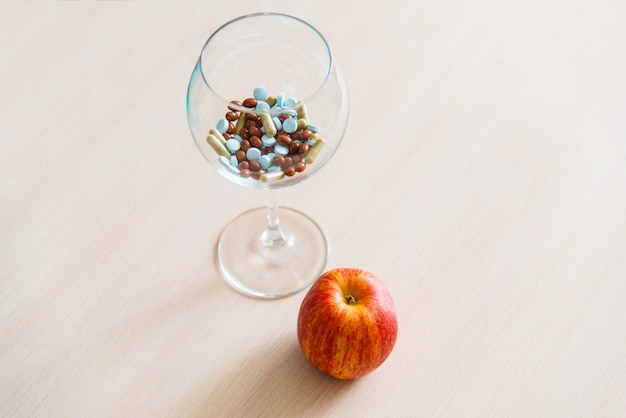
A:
255, 268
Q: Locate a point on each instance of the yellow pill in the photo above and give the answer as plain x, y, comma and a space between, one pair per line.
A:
217, 145
302, 124
218, 135
272, 176
241, 122
268, 124
270, 100
315, 150
301, 111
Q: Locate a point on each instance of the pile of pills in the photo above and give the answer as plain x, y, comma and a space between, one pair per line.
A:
265, 137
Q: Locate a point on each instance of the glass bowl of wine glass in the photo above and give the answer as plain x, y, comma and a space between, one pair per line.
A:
267, 108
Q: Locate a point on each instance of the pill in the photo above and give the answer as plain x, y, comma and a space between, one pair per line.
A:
268, 141
300, 167
255, 166
245, 173
250, 102
222, 125
261, 106
302, 123
302, 111
277, 123
290, 125
233, 161
253, 154
313, 128
217, 145
225, 162
280, 98
237, 103
280, 149
265, 161
254, 131
255, 141
241, 122
268, 124
284, 139
289, 102
274, 168
314, 151
233, 145
270, 100
218, 135
260, 93
289, 112
272, 176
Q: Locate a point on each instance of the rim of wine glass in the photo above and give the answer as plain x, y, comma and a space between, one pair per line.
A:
261, 14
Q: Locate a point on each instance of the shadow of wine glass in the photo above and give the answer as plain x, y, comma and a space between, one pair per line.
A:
277, 381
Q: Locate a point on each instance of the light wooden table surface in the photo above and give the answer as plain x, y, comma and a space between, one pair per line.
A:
482, 177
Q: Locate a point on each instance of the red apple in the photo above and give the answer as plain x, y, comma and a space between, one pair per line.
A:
347, 324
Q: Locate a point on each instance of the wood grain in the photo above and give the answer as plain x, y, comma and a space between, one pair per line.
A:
482, 177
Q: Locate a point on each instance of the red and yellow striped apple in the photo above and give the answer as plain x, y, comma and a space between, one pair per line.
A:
347, 323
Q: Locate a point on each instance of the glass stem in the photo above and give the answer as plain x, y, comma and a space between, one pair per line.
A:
272, 236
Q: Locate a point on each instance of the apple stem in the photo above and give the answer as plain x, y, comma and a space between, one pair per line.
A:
350, 300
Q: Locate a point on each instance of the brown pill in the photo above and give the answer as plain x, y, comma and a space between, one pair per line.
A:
243, 133
256, 142
297, 136
231, 128
243, 165
254, 165
300, 167
231, 116
306, 134
241, 155
304, 149
284, 139
252, 116
250, 102
256, 175
278, 160
254, 131
290, 171
236, 103
294, 148
288, 162
245, 145
283, 116
245, 173
226, 135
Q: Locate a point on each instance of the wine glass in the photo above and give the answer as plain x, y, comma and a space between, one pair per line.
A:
268, 107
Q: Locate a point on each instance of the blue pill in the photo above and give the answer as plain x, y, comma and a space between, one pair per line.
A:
313, 128
253, 154
233, 145
290, 102
268, 141
225, 162
274, 168
260, 93
222, 126
277, 123
280, 149
280, 98
290, 125
264, 161
261, 105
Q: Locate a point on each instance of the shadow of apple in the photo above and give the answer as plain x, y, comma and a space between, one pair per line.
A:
276, 381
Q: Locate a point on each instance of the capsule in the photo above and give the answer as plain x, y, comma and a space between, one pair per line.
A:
241, 122
268, 124
217, 145
301, 111
270, 177
314, 151
218, 135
